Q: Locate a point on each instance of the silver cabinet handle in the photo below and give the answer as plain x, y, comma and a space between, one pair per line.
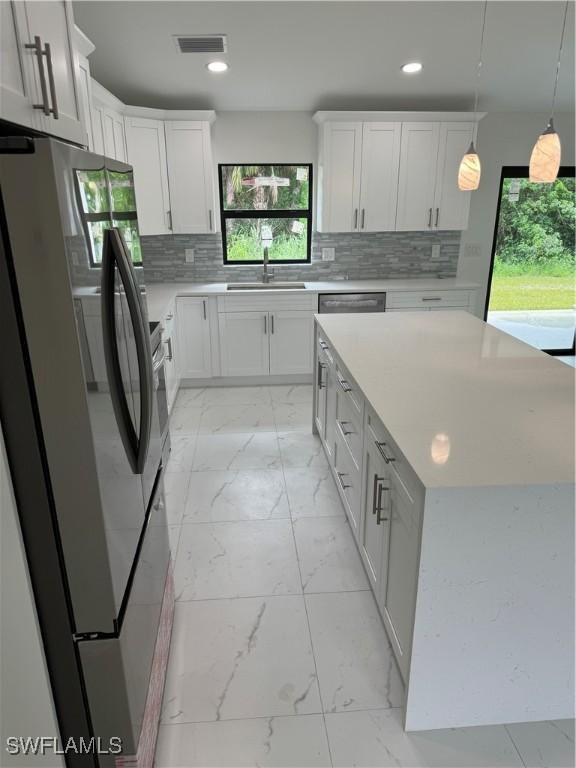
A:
271, 323
169, 217
429, 217
204, 307
169, 316
437, 216
322, 344
168, 343
344, 384
37, 47
375, 492
431, 298
321, 367
342, 475
48, 52
379, 518
355, 219
210, 219
363, 218
345, 431
383, 453
265, 324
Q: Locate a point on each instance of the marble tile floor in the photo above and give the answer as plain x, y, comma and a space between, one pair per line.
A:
278, 655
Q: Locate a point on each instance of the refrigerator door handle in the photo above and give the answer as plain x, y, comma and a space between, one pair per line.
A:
115, 255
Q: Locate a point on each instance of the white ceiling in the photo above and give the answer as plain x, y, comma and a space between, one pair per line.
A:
333, 55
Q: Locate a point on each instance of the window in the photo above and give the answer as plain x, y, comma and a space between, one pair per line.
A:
531, 290
106, 199
266, 205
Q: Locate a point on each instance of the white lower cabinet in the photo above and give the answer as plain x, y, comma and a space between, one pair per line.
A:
291, 335
193, 331
244, 348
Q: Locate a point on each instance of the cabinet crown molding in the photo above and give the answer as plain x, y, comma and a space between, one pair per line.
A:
82, 43
395, 117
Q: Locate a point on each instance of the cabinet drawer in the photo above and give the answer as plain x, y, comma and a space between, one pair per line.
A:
348, 421
347, 480
348, 386
258, 301
393, 458
427, 299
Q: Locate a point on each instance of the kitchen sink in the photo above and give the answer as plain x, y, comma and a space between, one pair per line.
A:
263, 286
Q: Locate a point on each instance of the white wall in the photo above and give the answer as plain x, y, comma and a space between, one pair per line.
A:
503, 139
265, 137
26, 706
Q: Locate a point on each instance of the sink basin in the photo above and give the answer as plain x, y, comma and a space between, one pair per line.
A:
263, 286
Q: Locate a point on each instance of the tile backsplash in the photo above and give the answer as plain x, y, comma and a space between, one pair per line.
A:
358, 256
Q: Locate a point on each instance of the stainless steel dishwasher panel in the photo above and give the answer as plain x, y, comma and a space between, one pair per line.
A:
333, 303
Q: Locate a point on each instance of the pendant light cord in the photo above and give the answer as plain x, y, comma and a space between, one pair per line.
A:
558, 63
479, 68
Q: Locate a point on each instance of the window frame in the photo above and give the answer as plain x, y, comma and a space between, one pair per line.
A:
520, 172
105, 216
269, 213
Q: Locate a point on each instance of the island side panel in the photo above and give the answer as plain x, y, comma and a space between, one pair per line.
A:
494, 626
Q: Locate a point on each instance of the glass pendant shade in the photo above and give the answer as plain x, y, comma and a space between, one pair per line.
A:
469, 171
545, 158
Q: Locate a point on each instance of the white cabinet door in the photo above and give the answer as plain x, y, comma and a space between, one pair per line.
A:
398, 594
340, 183
85, 99
18, 68
193, 349
376, 522
244, 349
291, 341
147, 155
417, 178
53, 23
97, 114
190, 176
451, 205
379, 184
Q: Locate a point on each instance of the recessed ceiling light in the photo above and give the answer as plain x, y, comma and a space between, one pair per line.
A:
411, 68
217, 66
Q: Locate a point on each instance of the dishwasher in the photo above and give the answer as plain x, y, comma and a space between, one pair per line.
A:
351, 302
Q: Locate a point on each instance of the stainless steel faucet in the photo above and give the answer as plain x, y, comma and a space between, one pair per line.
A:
267, 274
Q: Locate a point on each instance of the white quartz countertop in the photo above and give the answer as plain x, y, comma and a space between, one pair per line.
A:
161, 294
447, 381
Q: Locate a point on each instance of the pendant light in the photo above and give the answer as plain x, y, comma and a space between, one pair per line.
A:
545, 157
470, 168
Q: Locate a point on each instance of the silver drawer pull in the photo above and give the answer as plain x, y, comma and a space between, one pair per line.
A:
322, 344
383, 453
379, 518
345, 431
170, 316
168, 343
344, 384
431, 298
343, 485
321, 367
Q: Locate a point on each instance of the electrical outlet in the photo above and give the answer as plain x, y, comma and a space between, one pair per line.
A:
328, 254
436, 251
189, 255
472, 251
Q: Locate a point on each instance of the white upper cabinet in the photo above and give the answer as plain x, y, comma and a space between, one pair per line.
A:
417, 179
451, 205
339, 192
397, 174
190, 174
147, 155
379, 182
38, 73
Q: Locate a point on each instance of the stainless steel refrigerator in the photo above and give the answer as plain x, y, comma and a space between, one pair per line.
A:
79, 409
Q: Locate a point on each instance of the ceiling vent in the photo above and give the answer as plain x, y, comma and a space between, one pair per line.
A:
201, 43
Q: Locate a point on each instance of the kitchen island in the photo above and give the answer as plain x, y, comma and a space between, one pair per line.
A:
452, 445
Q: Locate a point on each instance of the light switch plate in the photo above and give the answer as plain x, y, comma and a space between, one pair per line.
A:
328, 254
436, 251
189, 255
